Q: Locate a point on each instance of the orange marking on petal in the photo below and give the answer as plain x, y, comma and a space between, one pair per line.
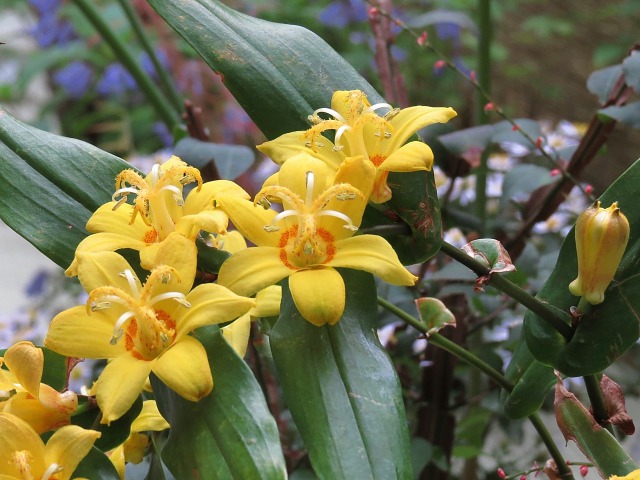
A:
132, 329
150, 236
377, 160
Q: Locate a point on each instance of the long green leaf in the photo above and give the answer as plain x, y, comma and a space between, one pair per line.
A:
228, 435
342, 388
611, 327
50, 186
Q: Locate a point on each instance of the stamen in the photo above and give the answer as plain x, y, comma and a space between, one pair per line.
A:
97, 306
117, 328
264, 202
334, 213
119, 202
377, 106
331, 112
346, 196
177, 194
131, 280
52, 470
271, 228
310, 180
339, 133
177, 296
123, 192
154, 174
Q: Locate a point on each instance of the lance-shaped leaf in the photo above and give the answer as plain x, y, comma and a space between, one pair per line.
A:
342, 389
597, 444
281, 74
50, 186
610, 328
228, 435
532, 383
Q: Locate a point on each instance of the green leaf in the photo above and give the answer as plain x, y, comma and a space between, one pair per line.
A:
532, 383
628, 114
231, 161
631, 69
462, 141
434, 314
50, 186
96, 465
112, 435
522, 180
342, 388
54, 373
229, 434
598, 445
491, 254
278, 73
610, 328
601, 82
504, 132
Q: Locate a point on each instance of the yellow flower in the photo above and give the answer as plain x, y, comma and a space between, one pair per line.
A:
309, 238
601, 239
132, 450
158, 210
635, 475
23, 454
38, 404
361, 131
143, 329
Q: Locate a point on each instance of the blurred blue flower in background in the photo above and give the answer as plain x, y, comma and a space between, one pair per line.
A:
147, 64
343, 12
75, 78
115, 81
51, 30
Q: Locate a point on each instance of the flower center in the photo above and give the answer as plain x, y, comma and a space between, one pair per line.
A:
148, 331
358, 115
304, 242
21, 460
157, 195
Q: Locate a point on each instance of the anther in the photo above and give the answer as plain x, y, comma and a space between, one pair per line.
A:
264, 203
346, 196
117, 335
97, 306
271, 228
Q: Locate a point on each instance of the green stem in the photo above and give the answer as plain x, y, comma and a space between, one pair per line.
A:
545, 436
121, 51
448, 345
165, 79
592, 384
497, 281
474, 361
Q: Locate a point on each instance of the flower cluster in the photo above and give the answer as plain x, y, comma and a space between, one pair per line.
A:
143, 325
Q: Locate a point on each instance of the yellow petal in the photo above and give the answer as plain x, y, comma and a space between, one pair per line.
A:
63, 404
26, 362
373, 254
231, 242
73, 333
67, 447
104, 242
293, 175
149, 419
253, 269
237, 334
184, 368
211, 304
106, 219
212, 221
15, 436
117, 458
319, 295
103, 268
291, 144
180, 253
267, 302
41, 418
204, 199
135, 446
119, 385
409, 120
250, 220
412, 157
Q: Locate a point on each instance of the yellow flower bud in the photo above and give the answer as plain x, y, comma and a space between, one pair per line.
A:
601, 238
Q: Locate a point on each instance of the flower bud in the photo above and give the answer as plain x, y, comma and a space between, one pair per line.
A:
601, 238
